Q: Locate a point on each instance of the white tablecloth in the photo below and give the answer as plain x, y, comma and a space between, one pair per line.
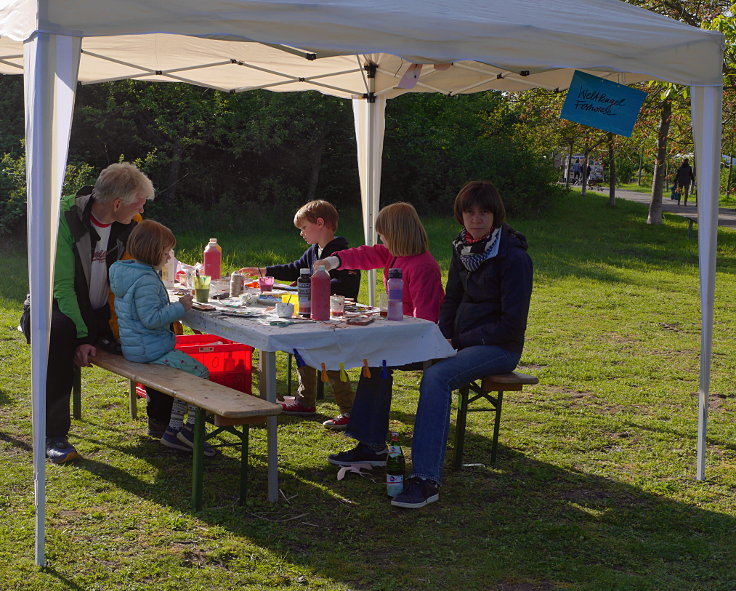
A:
397, 342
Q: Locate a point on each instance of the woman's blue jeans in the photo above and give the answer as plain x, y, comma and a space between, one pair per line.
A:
432, 422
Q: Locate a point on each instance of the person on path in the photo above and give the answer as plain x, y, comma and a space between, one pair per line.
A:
684, 178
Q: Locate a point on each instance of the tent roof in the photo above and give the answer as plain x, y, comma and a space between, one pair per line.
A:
323, 44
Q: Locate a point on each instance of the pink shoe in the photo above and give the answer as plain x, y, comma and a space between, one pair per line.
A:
339, 423
295, 408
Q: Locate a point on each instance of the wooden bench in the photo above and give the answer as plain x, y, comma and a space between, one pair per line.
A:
483, 388
230, 408
691, 219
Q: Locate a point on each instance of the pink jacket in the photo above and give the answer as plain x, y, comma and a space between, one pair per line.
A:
423, 291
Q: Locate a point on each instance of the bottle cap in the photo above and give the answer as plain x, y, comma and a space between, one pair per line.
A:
394, 273
213, 239
304, 271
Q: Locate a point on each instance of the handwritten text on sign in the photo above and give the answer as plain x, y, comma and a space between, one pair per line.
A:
602, 104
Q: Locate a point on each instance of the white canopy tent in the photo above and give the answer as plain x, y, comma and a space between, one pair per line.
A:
367, 51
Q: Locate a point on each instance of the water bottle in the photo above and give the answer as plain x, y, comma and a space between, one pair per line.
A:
212, 259
395, 295
395, 466
321, 285
304, 291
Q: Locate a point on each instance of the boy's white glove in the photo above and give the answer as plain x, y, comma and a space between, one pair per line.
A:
328, 263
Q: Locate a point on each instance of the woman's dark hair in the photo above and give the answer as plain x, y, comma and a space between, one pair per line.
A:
483, 195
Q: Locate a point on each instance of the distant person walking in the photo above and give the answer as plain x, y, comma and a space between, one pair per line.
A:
684, 178
576, 170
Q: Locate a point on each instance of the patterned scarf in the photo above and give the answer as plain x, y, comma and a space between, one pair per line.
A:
473, 253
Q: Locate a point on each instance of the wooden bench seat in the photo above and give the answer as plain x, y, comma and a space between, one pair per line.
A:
482, 388
230, 408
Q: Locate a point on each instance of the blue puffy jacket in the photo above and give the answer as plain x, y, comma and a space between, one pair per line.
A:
144, 311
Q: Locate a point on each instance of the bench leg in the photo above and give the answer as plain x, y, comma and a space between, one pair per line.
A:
244, 464
462, 411
496, 426
133, 404
288, 375
198, 460
77, 393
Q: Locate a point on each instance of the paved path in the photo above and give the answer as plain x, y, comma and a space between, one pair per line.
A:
726, 216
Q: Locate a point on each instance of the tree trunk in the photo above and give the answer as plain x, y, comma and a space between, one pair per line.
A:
174, 170
569, 165
611, 172
584, 189
655, 207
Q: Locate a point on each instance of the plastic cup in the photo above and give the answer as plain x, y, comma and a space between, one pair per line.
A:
293, 299
284, 310
383, 305
266, 283
202, 288
337, 306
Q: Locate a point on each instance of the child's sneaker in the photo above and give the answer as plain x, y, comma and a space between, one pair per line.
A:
295, 408
186, 436
339, 423
170, 439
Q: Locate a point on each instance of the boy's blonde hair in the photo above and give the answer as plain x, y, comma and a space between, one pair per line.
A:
317, 209
148, 242
123, 181
402, 230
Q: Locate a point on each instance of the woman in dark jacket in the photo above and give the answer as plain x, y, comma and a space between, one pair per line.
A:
483, 315
684, 178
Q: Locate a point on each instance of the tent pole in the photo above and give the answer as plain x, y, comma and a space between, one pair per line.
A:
370, 117
51, 63
706, 105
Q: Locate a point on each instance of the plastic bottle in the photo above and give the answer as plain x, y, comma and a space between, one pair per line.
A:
395, 295
212, 259
320, 295
304, 290
395, 466
168, 271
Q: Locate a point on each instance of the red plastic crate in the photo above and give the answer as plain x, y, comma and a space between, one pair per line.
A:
229, 363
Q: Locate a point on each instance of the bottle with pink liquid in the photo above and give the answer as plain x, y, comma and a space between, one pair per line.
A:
321, 294
212, 259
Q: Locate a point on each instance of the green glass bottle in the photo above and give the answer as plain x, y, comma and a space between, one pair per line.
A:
395, 466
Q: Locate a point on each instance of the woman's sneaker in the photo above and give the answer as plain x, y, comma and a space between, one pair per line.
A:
170, 439
339, 423
360, 454
186, 436
417, 493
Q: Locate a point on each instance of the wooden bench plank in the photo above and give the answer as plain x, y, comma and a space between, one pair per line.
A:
507, 381
210, 396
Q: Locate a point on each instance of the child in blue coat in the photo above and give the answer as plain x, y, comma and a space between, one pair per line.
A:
145, 315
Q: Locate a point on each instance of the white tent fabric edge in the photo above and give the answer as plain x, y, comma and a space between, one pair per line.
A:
51, 65
706, 106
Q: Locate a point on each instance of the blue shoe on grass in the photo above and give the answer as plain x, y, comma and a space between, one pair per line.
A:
169, 439
186, 436
60, 451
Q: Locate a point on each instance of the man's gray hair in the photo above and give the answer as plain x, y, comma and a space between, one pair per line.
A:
122, 181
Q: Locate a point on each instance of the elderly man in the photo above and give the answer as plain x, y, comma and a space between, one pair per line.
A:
93, 230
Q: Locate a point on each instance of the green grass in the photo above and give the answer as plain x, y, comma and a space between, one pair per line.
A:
594, 488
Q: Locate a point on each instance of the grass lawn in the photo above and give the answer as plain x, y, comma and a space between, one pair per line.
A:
594, 487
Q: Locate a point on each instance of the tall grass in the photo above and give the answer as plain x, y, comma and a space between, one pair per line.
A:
594, 488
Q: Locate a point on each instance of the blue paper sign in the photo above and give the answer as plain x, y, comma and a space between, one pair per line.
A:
602, 104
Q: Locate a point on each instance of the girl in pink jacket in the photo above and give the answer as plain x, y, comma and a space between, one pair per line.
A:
404, 247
